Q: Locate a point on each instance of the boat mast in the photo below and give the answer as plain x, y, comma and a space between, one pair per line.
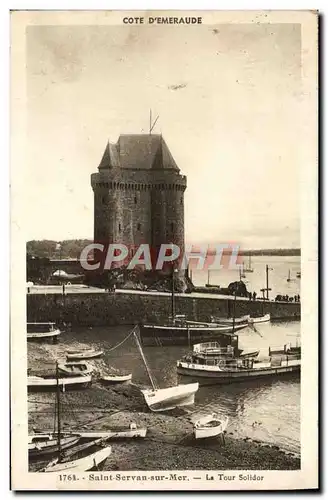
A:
234, 314
58, 410
152, 380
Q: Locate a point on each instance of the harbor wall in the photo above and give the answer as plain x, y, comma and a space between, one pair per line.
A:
102, 309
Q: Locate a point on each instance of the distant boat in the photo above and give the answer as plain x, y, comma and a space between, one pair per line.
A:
115, 379
42, 331
260, 319
298, 274
169, 398
242, 272
210, 426
289, 276
74, 368
249, 269
83, 354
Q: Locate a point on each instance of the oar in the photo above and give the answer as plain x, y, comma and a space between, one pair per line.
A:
256, 330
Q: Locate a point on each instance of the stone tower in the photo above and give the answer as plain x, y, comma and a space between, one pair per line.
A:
138, 194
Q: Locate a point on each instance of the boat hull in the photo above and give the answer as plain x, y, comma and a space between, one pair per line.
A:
203, 431
209, 374
51, 447
39, 383
170, 398
119, 379
87, 463
154, 335
262, 319
83, 355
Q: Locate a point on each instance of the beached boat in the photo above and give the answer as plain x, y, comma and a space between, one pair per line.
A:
83, 354
79, 463
74, 368
117, 432
40, 445
115, 379
210, 426
224, 370
42, 331
88, 463
169, 398
35, 383
260, 319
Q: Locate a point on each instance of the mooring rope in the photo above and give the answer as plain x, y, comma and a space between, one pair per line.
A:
122, 342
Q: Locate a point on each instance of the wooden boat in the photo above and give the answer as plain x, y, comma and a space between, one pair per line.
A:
87, 463
210, 426
224, 370
117, 432
40, 445
83, 354
74, 368
116, 379
42, 331
260, 319
243, 320
81, 463
34, 382
169, 398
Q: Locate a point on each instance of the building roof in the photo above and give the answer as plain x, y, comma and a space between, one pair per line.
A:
142, 151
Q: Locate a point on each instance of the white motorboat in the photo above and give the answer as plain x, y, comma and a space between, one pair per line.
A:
116, 379
169, 398
260, 319
74, 368
210, 426
83, 354
42, 331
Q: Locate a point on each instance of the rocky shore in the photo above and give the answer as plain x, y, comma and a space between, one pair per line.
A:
169, 444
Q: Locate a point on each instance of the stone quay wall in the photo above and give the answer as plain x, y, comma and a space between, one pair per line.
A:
119, 308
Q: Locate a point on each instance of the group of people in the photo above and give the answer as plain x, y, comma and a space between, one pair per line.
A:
287, 298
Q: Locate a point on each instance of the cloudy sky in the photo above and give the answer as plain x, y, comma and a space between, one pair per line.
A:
233, 125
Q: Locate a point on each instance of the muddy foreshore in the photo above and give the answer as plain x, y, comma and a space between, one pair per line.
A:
169, 444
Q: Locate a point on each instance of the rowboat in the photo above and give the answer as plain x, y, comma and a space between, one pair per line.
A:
45, 444
87, 463
34, 382
42, 331
260, 319
74, 368
169, 398
231, 321
83, 354
115, 379
210, 426
117, 432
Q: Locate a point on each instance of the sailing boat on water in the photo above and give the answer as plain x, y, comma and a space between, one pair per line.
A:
64, 462
289, 276
249, 269
169, 398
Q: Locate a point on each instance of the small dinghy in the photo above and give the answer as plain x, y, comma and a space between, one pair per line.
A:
116, 379
83, 354
249, 353
35, 383
210, 426
73, 368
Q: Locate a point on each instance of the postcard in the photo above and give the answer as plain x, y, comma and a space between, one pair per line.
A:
164, 308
